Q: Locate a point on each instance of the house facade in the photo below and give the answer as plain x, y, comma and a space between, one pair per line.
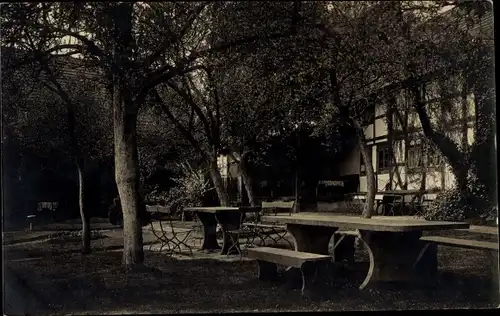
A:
402, 157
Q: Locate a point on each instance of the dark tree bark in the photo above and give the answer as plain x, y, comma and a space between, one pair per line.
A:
483, 151
210, 159
127, 177
245, 177
125, 135
83, 212
370, 173
218, 183
347, 117
458, 161
75, 152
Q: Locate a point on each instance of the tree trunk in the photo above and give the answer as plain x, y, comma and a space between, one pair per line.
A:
296, 207
127, 177
125, 109
483, 151
218, 184
247, 180
423, 180
390, 138
458, 161
370, 174
75, 152
83, 211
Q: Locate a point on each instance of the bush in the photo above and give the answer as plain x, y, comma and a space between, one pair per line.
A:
449, 205
189, 191
453, 205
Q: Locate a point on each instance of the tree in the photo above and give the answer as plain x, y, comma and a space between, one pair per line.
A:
342, 34
78, 133
446, 58
134, 45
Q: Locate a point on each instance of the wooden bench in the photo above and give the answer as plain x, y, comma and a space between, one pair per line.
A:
312, 266
491, 247
482, 230
462, 243
263, 230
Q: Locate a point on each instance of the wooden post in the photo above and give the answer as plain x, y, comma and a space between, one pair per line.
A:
31, 218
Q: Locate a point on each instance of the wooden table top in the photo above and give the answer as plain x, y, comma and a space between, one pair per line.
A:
218, 209
376, 223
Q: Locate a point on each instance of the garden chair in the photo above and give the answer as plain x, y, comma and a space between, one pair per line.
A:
256, 228
166, 233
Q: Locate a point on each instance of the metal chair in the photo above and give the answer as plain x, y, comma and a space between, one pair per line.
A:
234, 235
171, 237
268, 230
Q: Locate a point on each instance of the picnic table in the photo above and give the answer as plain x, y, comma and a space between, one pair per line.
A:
393, 243
229, 218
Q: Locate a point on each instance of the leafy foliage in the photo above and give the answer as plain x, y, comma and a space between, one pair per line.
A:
189, 189
454, 205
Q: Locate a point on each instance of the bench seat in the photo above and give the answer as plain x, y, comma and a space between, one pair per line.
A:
481, 230
347, 232
433, 242
462, 243
312, 266
259, 225
285, 257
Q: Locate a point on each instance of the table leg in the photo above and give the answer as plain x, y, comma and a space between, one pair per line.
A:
312, 239
229, 221
393, 257
345, 249
209, 231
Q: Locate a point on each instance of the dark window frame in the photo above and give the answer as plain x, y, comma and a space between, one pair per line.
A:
387, 159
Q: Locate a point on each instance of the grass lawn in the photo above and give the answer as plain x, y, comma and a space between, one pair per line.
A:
52, 277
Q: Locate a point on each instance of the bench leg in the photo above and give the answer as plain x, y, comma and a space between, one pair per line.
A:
314, 279
268, 271
495, 273
426, 263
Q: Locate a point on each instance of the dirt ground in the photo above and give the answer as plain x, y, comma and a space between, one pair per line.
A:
46, 274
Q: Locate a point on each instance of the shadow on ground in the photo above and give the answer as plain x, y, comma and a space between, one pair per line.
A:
52, 277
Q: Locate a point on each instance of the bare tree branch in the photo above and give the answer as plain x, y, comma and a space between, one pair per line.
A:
169, 40
186, 133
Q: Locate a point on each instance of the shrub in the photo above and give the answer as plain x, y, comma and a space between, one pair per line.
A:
189, 190
449, 205
453, 205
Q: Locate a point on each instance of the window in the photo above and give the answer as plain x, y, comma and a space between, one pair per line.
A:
419, 157
384, 159
415, 157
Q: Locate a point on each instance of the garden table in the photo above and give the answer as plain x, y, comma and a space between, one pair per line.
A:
383, 198
393, 243
229, 218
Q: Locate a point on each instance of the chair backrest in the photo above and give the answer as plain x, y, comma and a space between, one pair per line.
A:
278, 207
